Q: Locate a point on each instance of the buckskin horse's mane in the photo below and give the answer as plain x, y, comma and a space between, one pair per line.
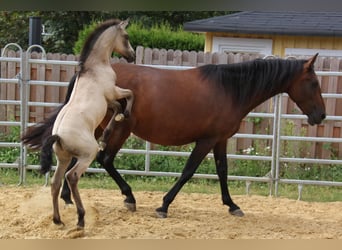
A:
91, 40
247, 79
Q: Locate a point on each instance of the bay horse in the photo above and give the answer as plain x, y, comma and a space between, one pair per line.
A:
93, 93
204, 105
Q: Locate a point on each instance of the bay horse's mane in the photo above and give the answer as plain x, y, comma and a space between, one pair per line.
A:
91, 40
248, 79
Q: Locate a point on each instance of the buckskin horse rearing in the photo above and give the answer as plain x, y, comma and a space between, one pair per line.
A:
94, 91
204, 105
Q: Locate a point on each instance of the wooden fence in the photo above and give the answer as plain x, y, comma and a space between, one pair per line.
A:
63, 73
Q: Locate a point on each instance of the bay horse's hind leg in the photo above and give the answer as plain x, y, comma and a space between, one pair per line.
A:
222, 171
197, 155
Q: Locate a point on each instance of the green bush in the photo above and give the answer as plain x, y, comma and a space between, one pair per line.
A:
160, 36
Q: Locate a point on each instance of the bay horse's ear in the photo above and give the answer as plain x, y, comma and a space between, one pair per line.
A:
123, 24
310, 63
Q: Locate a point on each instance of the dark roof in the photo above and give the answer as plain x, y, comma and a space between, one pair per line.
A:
272, 22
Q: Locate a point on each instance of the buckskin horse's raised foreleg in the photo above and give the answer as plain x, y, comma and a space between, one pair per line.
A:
127, 94
117, 117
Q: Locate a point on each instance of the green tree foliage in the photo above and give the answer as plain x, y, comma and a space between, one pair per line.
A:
63, 27
14, 27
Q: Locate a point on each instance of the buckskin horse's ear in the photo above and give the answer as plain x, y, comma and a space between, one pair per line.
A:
123, 24
310, 63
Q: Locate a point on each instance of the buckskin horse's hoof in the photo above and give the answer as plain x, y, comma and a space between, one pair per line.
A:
119, 117
237, 212
102, 145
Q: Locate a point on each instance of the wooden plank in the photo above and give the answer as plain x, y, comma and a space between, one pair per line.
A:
163, 57
177, 60
52, 92
147, 56
193, 59
339, 111
330, 103
155, 57
185, 58
208, 58
200, 58
11, 88
215, 58
139, 55
169, 56
223, 58
3, 95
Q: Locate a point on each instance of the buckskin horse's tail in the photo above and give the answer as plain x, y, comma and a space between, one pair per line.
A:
35, 135
46, 153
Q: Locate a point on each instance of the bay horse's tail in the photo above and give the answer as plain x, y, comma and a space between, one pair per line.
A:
35, 135
46, 153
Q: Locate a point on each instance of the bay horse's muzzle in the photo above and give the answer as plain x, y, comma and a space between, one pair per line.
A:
316, 118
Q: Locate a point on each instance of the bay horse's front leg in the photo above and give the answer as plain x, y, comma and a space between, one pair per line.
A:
106, 158
220, 156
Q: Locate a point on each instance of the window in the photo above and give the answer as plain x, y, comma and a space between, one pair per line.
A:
242, 45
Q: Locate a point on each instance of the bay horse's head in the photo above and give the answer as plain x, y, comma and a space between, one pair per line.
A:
122, 44
305, 91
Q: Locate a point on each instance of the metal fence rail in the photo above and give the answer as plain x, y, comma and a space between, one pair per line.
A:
23, 80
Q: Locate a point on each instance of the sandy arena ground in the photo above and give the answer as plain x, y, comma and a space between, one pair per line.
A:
26, 213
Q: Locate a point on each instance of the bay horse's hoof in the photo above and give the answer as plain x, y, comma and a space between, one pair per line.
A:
161, 214
130, 206
119, 117
237, 212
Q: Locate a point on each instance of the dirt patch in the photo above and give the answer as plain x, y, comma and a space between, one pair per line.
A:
26, 213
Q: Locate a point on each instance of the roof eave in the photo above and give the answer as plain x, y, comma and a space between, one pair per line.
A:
204, 29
